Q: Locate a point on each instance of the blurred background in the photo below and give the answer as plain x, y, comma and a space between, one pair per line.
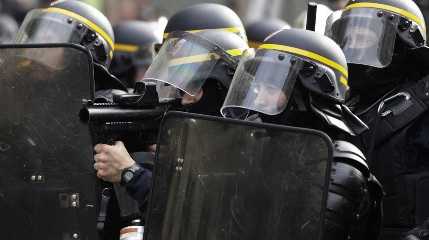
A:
118, 10
248, 10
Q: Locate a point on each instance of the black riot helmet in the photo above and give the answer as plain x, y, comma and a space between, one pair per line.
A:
368, 30
205, 16
287, 59
70, 21
201, 42
134, 49
258, 31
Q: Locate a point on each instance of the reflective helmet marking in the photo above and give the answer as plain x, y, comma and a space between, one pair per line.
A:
344, 81
231, 29
236, 52
129, 48
203, 57
85, 21
402, 12
310, 55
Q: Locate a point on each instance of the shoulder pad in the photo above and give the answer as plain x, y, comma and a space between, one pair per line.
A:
350, 154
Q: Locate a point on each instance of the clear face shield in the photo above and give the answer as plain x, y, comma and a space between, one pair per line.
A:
41, 26
50, 25
265, 83
166, 92
183, 63
52, 58
366, 35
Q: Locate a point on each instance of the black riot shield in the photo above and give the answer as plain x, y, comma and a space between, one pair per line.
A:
225, 179
47, 183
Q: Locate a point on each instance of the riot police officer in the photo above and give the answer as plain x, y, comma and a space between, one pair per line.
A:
78, 23
134, 49
257, 31
383, 41
200, 51
299, 78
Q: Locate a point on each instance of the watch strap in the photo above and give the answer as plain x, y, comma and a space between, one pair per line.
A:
134, 169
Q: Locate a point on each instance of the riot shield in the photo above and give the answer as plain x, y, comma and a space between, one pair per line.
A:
225, 179
47, 183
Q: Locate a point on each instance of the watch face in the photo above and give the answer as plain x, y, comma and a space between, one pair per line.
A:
128, 176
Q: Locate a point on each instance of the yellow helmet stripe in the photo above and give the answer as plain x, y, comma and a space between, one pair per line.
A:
231, 29
400, 11
122, 47
344, 81
235, 52
85, 21
203, 57
309, 54
193, 59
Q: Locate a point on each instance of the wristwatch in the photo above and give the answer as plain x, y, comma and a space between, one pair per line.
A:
129, 173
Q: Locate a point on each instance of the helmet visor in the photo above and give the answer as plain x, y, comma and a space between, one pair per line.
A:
185, 61
167, 92
367, 36
263, 84
41, 26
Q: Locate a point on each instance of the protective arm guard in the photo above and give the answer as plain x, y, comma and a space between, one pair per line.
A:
354, 204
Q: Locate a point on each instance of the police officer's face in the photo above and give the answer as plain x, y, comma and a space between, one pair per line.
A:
189, 99
360, 38
269, 98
